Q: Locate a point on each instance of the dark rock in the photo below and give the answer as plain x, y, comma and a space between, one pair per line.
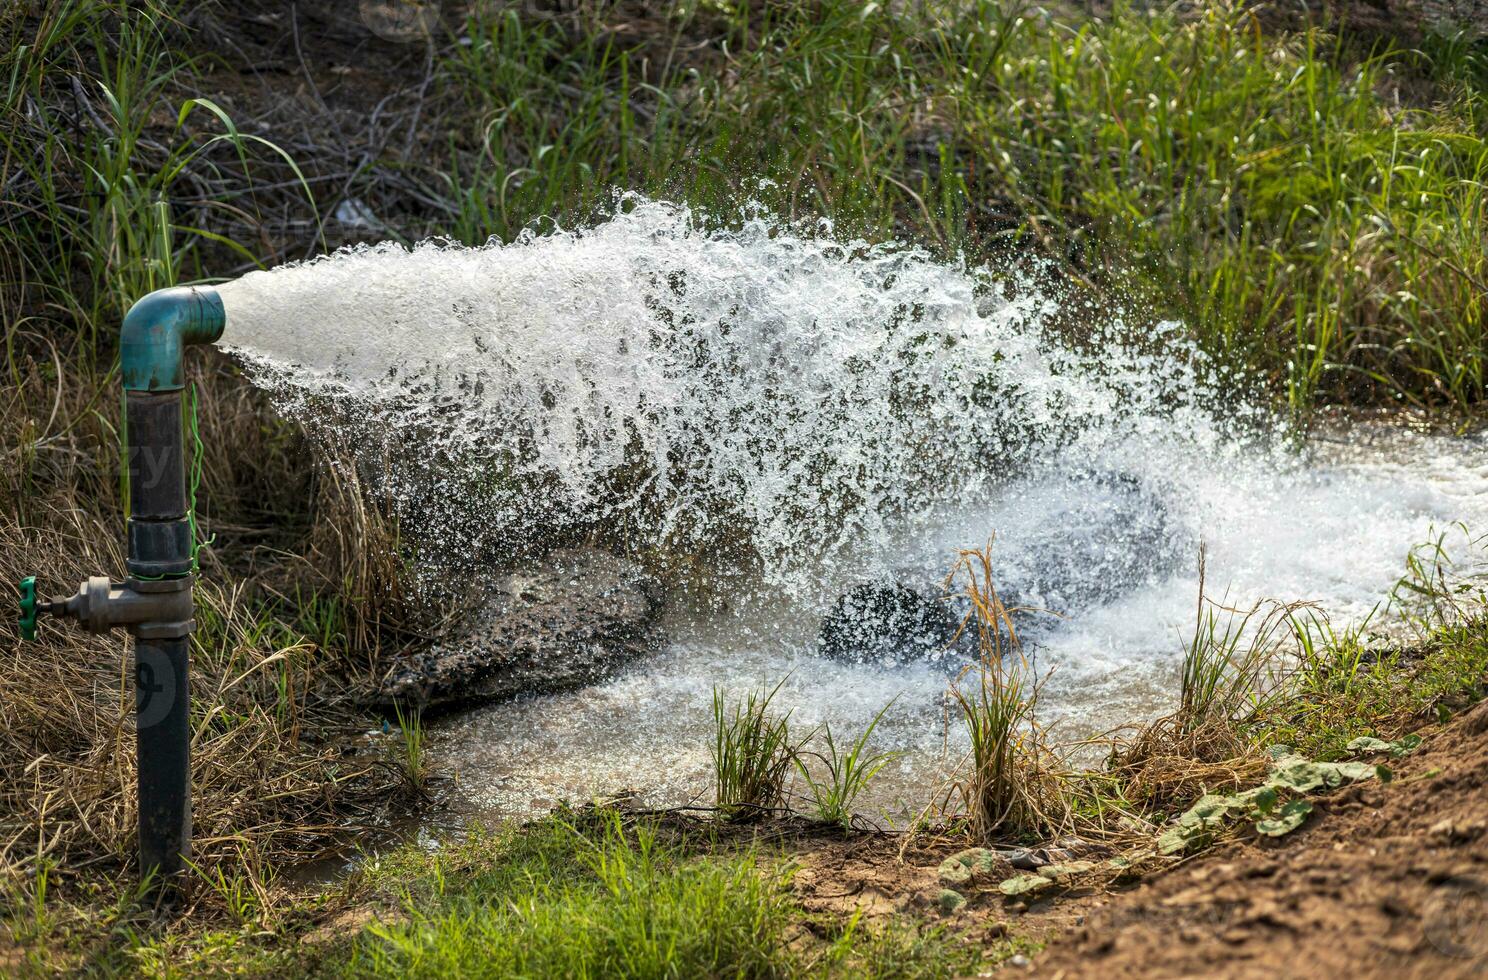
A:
879, 622
1023, 858
1109, 534
569, 620
1105, 534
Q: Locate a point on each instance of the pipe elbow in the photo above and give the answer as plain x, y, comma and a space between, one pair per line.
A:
156, 330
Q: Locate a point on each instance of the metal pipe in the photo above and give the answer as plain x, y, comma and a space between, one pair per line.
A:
158, 326
155, 602
162, 712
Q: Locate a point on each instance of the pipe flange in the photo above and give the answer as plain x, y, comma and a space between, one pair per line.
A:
163, 631
175, 583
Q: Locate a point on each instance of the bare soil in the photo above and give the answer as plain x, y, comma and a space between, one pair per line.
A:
1386, 879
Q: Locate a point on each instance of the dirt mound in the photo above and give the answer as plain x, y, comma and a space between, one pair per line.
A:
1385, 880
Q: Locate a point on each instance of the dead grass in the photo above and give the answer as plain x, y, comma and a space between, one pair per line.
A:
1014, 783
301, 586
271, 719
1230, 677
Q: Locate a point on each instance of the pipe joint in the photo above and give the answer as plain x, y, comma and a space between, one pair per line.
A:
157, 329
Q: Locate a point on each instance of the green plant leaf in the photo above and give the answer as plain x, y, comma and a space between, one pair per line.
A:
1024, 884
1210, 810
1301, 775
1367, 745
950, 900
1287, 819
958, 868
1176, 840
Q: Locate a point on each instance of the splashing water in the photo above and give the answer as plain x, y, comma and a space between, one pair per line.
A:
808, 393
850, 412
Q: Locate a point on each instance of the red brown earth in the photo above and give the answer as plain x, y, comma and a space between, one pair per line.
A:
1385, 880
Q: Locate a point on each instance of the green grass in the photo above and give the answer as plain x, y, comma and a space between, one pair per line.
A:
557, 902
846, 770
1344, 689
579, 894
1343, 686
753, 753
96, 184
1267, 190
589, 896
411, 756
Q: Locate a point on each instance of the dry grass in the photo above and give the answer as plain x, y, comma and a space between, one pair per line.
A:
268, 773
1014, 784
269, 680
1230, 676
355, 548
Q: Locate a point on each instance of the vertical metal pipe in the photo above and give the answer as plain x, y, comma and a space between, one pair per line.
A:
163, 727
160, 543
154, 604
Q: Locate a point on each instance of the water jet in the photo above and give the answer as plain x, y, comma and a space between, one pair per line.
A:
154, 601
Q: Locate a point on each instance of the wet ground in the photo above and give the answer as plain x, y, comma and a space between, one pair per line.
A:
1334, 527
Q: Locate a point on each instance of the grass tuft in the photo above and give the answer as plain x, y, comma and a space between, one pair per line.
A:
411, 757
848, 771
1014, 786
752, 754
1228, 681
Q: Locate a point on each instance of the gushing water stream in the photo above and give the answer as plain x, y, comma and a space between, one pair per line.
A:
848, 413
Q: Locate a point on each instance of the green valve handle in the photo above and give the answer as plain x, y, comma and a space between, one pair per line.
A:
28, 607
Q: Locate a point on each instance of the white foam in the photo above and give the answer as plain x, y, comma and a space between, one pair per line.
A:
853, 411
810, 392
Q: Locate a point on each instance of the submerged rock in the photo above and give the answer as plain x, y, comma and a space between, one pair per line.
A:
1098, 536
1106, 534
571, 619
885, 622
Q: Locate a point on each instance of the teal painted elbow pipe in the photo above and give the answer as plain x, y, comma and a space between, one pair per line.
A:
158, 327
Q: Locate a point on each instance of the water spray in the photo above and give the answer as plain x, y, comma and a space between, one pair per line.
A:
154, 602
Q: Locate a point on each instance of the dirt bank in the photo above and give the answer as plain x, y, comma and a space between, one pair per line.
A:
1385, 880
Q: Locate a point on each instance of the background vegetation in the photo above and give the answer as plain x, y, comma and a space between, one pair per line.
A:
1309, 204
